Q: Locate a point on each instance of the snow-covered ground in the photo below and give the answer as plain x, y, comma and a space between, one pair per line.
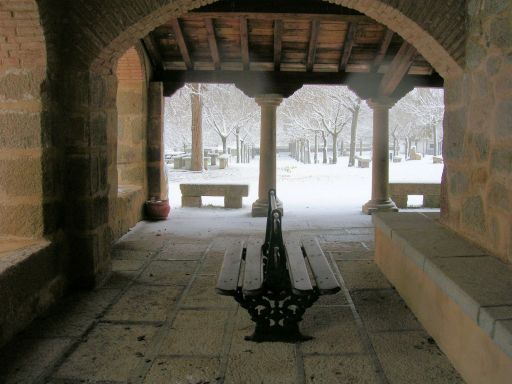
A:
305, 189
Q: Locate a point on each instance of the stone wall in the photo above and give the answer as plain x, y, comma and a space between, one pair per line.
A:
22, 109
132, 118
478, 132
32, 263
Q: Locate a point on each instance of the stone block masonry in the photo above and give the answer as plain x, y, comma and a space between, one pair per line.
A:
479, 115
435, 270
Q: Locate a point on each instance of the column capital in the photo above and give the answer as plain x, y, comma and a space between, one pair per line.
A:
381, 102
269, 99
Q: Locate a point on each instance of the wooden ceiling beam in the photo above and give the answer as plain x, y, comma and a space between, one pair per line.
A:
259, 78
383, 49
180, 40
279, 16
212, 42
244, 42
347, 46
397, 69
278, 44
153, 52
313, 38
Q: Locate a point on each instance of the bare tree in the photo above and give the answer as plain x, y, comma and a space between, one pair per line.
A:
353, 104
326, 110
331, 113
177, 120
418, 116
228, 111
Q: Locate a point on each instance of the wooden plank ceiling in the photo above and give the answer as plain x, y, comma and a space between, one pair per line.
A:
283, 36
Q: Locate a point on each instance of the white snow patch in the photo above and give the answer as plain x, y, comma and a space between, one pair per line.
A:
306, 190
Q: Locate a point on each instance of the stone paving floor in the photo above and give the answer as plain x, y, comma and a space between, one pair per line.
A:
159, 320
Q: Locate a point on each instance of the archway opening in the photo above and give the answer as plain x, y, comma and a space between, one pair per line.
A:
132, 118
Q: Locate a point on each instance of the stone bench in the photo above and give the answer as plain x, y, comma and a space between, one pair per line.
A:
30, 282
191, 194
179, 162
363, 162
223, 161
430, 191
460, 294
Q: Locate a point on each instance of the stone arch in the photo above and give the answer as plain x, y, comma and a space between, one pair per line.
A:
437, 31
105, 30
24, 159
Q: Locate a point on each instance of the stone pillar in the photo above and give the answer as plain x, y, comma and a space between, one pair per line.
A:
90, 174
157, 177
380, 201
267, 177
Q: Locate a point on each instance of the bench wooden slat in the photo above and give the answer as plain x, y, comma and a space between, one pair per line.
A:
253, 276
299, 276
324, 277
230, 270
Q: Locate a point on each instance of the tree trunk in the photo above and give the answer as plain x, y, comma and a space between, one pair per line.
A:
335, 148
324, 149
360, 147
434, 136
308, 152
197, 131
353, 134
224, 144
237, 137
316, 147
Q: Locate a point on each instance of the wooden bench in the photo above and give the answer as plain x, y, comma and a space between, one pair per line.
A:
233, 193
430, 191
273, 281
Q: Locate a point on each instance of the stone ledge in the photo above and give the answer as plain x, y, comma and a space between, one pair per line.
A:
481, 285
126, 190
30, 282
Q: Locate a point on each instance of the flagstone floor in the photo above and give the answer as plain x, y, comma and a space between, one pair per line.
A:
159, 320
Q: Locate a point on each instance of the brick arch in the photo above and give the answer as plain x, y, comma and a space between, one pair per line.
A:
129, 68
437, 31
23, 65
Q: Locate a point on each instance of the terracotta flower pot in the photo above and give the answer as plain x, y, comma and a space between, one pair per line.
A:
157, 209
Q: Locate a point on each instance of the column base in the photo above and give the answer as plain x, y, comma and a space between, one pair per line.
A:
379, 206
260, 208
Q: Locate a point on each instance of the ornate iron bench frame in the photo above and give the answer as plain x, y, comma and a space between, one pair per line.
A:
272, 281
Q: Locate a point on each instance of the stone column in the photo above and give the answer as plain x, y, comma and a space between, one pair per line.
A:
380, 201
157, 177
267, 177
